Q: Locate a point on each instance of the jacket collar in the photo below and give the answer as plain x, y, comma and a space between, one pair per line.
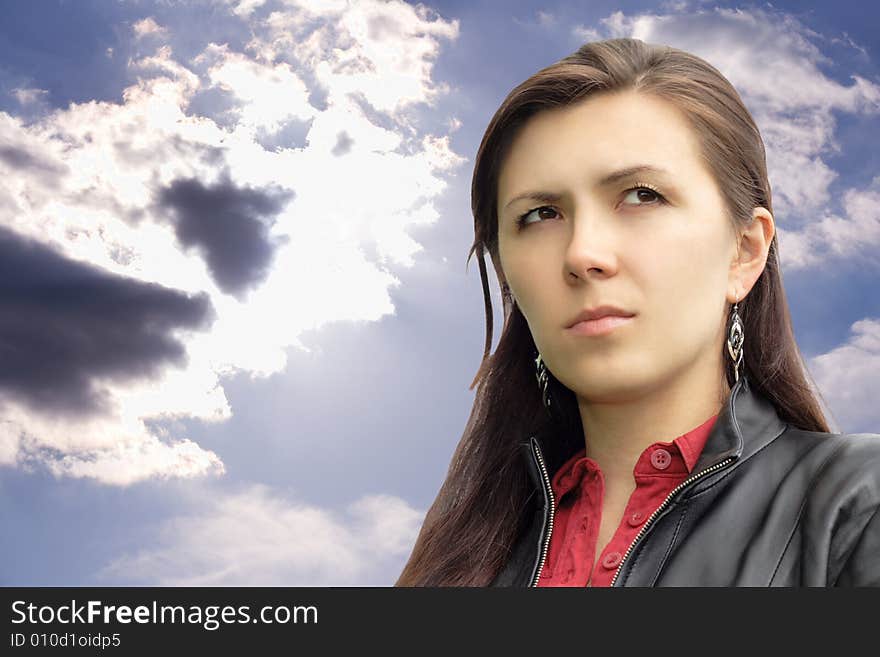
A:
746, 423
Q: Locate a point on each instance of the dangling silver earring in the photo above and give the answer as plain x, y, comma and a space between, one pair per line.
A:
735, 339
543, 377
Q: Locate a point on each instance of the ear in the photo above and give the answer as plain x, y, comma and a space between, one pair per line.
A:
752, 248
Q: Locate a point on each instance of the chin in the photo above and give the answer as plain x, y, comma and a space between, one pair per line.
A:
609, 389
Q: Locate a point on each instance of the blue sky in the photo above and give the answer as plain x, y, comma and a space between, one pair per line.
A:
258, 212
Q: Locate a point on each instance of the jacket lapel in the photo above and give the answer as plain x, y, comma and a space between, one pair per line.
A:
746, 424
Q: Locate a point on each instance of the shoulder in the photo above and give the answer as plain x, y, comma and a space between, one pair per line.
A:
827, 475
838, 465
843, 453
853, 457
851, 476
843, 498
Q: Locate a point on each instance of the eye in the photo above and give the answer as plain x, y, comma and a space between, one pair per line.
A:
640, 187
645, 187
648, 188
521, 221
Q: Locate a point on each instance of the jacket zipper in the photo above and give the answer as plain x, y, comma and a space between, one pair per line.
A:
663, 505
549, 489
546, 478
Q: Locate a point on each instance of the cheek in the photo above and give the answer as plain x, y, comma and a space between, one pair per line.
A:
685, 298
526, 273
679, 274
679, 268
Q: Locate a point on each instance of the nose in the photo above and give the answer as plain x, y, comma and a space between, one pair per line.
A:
591, 251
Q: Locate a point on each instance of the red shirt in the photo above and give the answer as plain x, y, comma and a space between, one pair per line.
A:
578, 487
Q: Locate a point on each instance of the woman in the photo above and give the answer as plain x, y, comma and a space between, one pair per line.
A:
673, 437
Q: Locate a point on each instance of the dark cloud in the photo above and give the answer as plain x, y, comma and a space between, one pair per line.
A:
229, 225
343, 144
219, 105
380, 28
170, 147
64, 325
293, 133
18, 158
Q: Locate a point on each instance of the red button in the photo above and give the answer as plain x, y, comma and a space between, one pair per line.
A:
636, 518
661, 459
611, 560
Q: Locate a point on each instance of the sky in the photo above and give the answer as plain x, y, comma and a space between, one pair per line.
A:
237, 328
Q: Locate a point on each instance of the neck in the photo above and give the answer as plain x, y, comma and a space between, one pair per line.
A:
616, 433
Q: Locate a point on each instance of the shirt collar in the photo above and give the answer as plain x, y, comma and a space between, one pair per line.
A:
691, 444
747, 422
687, 446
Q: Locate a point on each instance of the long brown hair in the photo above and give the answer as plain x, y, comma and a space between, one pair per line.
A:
477, 516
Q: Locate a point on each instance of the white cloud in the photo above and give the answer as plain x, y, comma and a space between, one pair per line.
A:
583, 33
118, 447
256, 537
382, 51
854, 236
542, 20
546, 18
270, 95
848, 377
244, 8
101, 165
771, 59
148, 26
29, 96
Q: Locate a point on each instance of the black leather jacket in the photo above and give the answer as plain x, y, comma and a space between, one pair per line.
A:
767, 504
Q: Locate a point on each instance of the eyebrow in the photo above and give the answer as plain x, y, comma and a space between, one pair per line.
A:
608, 179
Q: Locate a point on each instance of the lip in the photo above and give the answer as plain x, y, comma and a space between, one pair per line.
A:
597, 312
599, 326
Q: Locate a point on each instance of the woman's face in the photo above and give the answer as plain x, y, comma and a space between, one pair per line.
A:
667, 256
